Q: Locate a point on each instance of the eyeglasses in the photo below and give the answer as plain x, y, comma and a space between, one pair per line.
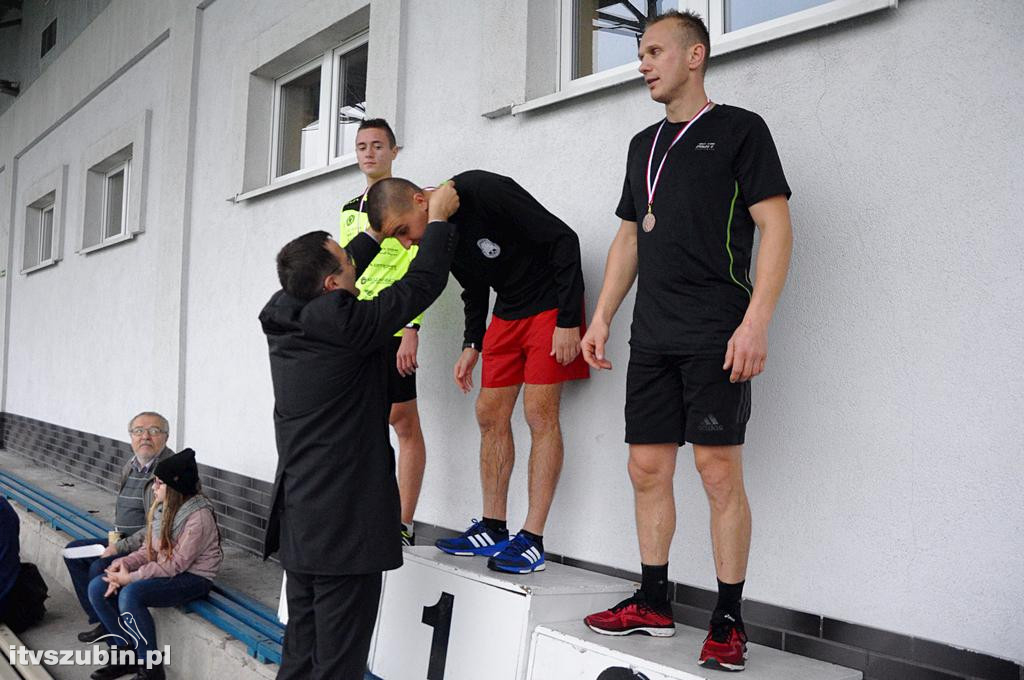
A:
153, 431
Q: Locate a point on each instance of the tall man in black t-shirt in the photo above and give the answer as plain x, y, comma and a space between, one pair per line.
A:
697, 183
511, 243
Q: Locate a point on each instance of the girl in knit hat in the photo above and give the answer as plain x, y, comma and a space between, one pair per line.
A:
175, 565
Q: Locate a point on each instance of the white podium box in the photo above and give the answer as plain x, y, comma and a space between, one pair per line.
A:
451, 618
571, 651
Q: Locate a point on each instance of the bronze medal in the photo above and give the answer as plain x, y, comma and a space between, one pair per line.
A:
648, 222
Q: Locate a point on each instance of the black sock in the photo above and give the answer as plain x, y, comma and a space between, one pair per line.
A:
730, 596
654, 582
495, 524
536, 538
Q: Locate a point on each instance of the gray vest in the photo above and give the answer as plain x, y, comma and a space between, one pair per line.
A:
130, 509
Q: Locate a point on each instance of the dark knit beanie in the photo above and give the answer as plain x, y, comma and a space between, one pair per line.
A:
180, 472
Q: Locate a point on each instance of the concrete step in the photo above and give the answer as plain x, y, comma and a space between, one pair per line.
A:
571, 651
11, 667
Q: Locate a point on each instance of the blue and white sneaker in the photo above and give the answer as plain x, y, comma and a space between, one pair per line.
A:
476, 540
521, 556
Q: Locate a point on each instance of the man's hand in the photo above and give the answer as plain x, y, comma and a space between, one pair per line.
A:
565, 344
464, 369
444, 201
406, 361
593, 345
746, 352
109, 551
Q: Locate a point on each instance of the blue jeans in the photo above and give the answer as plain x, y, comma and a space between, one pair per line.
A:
133, 601
84, 570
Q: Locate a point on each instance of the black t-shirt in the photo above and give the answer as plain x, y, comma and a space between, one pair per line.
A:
511, 243
693, 282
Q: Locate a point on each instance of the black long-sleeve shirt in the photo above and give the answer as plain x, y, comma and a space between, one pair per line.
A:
511, 243
335, 494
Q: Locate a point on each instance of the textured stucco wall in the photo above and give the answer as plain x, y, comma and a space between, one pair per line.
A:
101, 312
883, 456
94, 338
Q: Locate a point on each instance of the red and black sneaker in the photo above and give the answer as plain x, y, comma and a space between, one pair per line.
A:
725, 647
634, 615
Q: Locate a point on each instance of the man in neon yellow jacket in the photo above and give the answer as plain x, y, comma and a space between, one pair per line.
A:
376, 149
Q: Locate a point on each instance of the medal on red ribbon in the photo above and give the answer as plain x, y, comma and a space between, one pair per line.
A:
649, 220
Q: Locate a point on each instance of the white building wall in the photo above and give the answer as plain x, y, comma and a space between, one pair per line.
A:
104, 310
94, 338
883, 456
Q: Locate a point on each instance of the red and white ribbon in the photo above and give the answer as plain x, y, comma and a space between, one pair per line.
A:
650, 159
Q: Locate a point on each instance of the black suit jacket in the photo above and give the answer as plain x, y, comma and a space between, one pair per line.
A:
335, 507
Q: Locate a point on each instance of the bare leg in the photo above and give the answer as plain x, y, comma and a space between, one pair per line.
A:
651, 468
412, 455
497, 450
721, 471
540, 403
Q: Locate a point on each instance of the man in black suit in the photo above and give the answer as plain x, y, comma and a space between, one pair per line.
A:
335, 512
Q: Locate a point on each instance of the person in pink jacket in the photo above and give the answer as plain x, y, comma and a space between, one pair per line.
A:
176, 564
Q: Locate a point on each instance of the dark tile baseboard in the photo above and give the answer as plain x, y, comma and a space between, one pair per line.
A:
880, 654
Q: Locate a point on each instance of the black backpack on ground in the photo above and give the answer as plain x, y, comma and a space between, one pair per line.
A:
23, 607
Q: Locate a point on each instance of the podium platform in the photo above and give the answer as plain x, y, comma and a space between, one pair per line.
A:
571, 651
451, 618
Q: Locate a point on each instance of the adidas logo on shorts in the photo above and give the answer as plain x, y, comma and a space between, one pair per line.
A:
710, 424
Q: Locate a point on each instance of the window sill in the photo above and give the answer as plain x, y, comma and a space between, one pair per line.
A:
107, 243
41, 265
583, 86
775, 29
294, 178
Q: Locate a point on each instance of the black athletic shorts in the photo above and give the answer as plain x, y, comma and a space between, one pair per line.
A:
684, 398
400, 388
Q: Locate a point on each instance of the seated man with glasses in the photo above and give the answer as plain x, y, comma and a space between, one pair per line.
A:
148, 432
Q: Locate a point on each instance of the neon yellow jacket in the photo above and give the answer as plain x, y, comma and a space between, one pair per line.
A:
388, 266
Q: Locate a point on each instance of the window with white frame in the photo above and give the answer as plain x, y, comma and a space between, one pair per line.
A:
115, 200
46, 233
599, 36
41, 237
317, 109
108, 191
